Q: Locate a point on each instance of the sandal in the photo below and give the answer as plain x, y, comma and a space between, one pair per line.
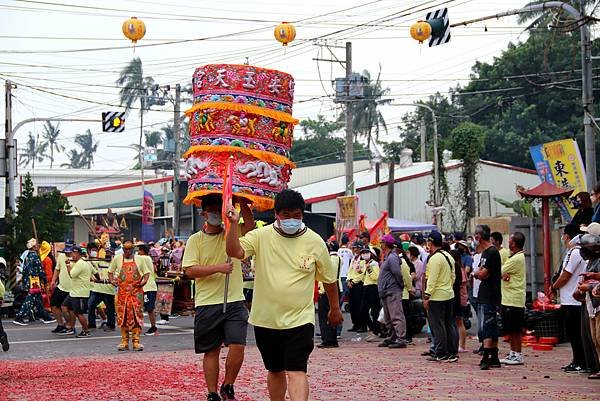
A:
594, 376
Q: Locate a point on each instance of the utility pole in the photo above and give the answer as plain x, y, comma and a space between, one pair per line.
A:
423, 131
177, 135
349, 134
10, 153
140, 157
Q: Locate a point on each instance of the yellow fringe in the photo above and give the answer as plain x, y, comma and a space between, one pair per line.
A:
247, 108
263, 155
258, 202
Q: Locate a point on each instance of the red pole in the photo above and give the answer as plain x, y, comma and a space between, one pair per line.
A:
547, 251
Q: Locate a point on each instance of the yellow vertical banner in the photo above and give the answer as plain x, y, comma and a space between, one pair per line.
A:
566, 167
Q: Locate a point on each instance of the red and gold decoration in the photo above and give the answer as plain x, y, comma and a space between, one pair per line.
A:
244, 111
285, 33
134, 29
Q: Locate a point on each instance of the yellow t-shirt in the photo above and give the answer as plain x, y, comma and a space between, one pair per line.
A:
370, 278
151, 283
513, 290
356, 272
64, 280
102, 268
440, 276
81, 273
117, 263
2, 290
405, 269
207, 250
286, 270
504, 254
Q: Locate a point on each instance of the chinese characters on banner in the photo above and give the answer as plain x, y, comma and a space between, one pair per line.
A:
148, 217
346, 217
560, 163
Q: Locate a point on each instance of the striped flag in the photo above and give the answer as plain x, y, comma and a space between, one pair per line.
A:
227, 190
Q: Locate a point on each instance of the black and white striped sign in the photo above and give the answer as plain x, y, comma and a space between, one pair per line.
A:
113, 121
444, 36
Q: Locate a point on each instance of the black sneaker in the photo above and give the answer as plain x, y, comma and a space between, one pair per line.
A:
66, 332
494, 364
227, 392
213, 397
385, 343
452, 358
397, 344
83, 334
427, 353
152, 331
328, 345
4, 342
569, 366
20, 322
573, 369
58, 329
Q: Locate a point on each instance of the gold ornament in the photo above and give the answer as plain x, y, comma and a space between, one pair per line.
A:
420, 31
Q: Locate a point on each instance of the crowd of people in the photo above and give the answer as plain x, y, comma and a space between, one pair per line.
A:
392, 286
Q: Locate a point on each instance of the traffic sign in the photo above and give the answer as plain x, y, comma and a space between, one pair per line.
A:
440, 27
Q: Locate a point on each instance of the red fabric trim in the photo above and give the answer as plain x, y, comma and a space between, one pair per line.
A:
117, 186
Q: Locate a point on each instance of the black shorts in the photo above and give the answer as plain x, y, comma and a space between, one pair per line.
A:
149, 301
212, 327
58, 297
77, 304
286, 349
248, 293
513, 319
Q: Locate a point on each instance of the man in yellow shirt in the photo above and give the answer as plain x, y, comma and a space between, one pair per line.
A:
289, 258
206, 261
3, 336
81, 273
513, 287
497, 239
150, 289
438, 300
102, 291
61, 285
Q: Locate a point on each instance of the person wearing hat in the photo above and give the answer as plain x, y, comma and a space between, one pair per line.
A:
61, 285
355, 279
571, 269
365, 238
438, 300
130, 273
390, 286
370, 303
81, 273
102, 291
48, 264
34, 278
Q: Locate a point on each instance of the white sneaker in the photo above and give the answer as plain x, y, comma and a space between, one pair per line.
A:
516, 359
372, 337
162, 322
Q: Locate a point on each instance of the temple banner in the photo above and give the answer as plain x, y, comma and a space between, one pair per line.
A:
148, 217
560, 163
346, 217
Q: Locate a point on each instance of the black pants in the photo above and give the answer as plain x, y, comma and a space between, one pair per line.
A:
2, 332
406, 309
572, 320
356, 293
328, 333
443, 327
591, 358
93, 302
370, 307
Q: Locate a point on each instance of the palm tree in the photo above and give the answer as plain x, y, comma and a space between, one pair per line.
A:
88, 148
135, 87
74, 160
33, 151
153, 139
50, 135
366, 116
555, 17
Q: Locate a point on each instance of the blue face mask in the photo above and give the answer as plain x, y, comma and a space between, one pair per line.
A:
290, 226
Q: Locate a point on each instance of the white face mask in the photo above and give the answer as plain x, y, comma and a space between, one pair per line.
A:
93, 254
214, 219
366, 256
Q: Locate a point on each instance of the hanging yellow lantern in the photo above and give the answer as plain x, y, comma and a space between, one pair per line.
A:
134, 29
420, 31
285, 33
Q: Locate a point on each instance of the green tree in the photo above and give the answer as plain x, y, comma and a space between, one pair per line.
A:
33, 151
467, 143
74, 160
553, 17
153, 139
88, 146
320, 146
367, 120
50, 135
135, 87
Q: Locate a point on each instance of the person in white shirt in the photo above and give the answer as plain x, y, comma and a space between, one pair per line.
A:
346, 256
573, 265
